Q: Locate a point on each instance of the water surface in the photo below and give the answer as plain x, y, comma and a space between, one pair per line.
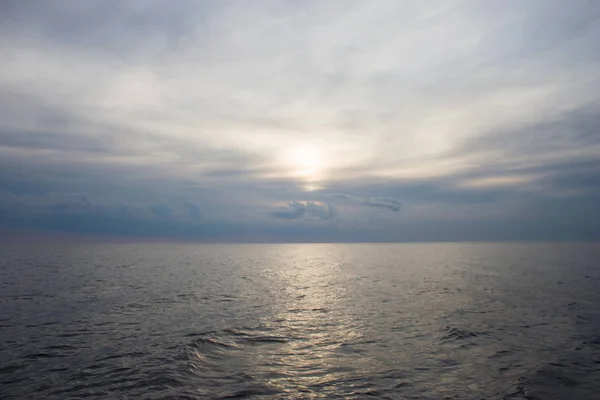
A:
395, 321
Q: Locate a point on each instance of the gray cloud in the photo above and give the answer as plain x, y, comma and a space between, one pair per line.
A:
304, 209
467, 116
391, 204
192, 209
161, 210
383, 202
62, 141
71, 203
57, 202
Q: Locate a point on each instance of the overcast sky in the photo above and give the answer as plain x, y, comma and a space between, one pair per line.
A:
301, 120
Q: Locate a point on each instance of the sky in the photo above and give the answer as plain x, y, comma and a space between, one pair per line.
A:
300, 121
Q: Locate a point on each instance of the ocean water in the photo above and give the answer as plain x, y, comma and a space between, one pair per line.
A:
300, 321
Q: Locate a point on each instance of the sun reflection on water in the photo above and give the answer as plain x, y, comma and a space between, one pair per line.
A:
307, 342
318, 353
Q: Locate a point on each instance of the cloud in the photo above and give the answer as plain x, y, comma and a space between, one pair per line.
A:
304, 209
60, 202
161, 210
383, 202
391, 204
476, 114
192, 209
71, 203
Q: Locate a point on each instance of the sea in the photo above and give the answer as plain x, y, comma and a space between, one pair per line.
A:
300, 321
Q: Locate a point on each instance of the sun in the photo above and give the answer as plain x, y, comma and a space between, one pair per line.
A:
307, 163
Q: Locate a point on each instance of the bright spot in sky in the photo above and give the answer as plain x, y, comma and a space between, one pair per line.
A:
306, 162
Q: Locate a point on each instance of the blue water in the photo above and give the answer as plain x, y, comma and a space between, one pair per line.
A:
297, 321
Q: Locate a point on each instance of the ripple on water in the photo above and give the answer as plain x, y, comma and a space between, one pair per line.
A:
457, 334
277, 322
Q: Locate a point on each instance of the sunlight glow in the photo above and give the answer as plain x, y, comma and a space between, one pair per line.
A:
306, 161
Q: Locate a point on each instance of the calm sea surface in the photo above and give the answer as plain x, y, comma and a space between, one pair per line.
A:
390, 321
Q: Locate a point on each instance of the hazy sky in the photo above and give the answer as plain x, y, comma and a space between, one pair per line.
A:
301, 120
